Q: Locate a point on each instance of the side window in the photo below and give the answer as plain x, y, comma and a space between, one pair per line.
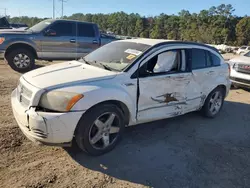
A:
216, 59
198, 59
64, 28
209, 61
165, 62
85, 30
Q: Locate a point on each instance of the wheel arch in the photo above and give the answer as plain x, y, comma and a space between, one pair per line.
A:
122, 106
22, 46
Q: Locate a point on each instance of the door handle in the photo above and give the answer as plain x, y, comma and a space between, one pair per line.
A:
210, 72
95, 42
73, 40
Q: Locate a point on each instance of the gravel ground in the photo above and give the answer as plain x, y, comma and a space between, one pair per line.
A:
187, 151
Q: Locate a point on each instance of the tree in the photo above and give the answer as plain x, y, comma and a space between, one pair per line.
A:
242, 31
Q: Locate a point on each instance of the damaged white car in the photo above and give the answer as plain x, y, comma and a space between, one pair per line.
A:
121, 84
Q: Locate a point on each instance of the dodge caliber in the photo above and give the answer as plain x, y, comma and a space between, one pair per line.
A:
121, 84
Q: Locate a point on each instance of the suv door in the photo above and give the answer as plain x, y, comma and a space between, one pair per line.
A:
166, 86
61, 45
88, 38
206, 68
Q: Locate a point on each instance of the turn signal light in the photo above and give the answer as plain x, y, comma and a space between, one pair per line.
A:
2, 39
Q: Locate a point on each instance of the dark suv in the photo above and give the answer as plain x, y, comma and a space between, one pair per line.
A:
48, 40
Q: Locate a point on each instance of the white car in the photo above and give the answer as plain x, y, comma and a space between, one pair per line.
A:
243, 50
240, 70
121, 84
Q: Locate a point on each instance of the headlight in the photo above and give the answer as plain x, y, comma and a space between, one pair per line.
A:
2, 39
59, 100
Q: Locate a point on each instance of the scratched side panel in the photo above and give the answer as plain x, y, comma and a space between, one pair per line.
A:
167, 96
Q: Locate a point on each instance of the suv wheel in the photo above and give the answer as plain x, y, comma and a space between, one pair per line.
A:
21, 60
100, 129
214, 103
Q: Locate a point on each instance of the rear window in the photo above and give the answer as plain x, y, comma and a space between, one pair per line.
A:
216, 59
198, 59
85, 30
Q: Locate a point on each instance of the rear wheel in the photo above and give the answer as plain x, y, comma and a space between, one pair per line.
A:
100, 129
214, 103
21, 60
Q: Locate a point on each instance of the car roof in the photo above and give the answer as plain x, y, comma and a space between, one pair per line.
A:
153, 42
66, 20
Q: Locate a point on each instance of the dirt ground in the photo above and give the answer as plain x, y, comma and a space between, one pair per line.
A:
189, 151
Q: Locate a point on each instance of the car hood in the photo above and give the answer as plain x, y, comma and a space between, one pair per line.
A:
66, 74
241, 59
18, 31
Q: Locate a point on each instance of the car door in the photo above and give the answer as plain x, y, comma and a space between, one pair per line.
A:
166, 86
205, 68
62, 44
87, 39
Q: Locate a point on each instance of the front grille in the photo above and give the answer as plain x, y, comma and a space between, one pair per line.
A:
243, 68
24, 95
240, 80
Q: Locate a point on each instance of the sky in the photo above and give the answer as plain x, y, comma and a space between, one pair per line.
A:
43, 8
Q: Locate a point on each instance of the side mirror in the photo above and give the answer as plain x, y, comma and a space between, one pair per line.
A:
50, 32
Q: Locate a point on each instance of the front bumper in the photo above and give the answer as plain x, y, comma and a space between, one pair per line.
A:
240, 82
239, 78
45, 127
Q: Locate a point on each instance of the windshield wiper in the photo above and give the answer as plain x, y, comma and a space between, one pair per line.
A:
106, 67
85, 61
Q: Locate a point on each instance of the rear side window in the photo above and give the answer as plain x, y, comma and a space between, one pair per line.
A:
216, 59
198, 59
85, 30
64, 28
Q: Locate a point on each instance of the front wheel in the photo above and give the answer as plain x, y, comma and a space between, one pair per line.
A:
214, 103
21, 60
100, 129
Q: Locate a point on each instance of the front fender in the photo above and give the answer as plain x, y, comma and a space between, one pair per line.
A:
94, 95
17, 40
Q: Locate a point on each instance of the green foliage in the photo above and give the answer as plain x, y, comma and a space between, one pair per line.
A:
217, 25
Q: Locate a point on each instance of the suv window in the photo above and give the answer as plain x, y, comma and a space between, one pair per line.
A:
64, 28
165, 62
216, 59
85, 30
198, 59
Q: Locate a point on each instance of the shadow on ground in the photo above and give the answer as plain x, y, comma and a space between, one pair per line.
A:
188, 151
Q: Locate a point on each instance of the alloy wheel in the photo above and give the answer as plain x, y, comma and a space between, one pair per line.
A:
104, 131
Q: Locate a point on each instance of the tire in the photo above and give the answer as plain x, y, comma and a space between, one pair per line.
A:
87, 130
21, 60
206, 109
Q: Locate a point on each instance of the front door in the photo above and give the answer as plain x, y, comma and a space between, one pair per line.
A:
63, 44
167, 87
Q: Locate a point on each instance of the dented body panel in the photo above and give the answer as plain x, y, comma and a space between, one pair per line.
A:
146, 98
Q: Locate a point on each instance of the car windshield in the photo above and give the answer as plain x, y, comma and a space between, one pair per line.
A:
116, 56
247, 54
40, 26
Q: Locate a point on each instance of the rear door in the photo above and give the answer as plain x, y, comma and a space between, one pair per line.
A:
63, 44
206, 69
88, 38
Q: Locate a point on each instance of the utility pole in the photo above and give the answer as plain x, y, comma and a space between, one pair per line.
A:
53, 9
63, 1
